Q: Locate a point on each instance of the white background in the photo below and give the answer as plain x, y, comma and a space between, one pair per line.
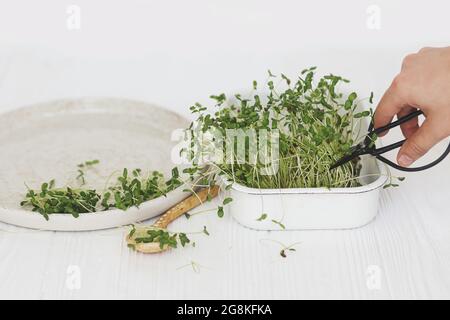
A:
174, 53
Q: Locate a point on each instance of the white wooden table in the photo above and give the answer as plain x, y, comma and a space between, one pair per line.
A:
404, 253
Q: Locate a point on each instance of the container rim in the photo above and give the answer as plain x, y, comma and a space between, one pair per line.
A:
378, 183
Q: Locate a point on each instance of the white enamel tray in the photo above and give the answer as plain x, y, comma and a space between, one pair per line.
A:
48, 140
311, 208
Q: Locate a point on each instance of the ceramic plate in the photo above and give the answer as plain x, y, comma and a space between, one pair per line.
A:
47, 141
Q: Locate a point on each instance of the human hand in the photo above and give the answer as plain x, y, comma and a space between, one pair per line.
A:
424, 83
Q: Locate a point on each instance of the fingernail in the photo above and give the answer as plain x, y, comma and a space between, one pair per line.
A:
405, 161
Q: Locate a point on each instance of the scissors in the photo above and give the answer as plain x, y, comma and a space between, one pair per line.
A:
368, 146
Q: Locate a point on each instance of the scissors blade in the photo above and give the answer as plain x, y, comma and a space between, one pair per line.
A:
355, 151
343, 161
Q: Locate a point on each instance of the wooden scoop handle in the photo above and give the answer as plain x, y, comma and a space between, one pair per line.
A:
186, 205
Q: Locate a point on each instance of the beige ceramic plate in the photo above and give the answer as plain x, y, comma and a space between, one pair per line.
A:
48, 140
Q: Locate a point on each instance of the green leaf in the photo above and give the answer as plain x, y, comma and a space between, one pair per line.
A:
262, 217
183, 239
92, 162
352, 96
175, 173
132, 231
220, 212
390, 185
227, 201
288, 81
348, 105
362, 114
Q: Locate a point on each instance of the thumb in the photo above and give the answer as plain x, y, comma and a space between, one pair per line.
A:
419, 143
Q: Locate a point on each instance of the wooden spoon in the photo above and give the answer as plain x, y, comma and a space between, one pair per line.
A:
170, 215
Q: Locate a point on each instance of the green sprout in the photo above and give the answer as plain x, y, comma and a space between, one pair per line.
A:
317, 125
129, 190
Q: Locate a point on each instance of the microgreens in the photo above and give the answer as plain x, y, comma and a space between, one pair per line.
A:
262, 217
278, 223
317, 125
164, 238
82, 167
392, 183
129, 190
284, 248
49, 200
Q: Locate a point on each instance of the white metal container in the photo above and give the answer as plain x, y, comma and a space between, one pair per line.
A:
311, 208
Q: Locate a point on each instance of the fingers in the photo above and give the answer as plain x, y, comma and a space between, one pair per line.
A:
410, 127
390, 104
419, 143
425, 49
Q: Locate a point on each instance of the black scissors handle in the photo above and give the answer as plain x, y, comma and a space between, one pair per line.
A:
377, 152
368, 147
394, 124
